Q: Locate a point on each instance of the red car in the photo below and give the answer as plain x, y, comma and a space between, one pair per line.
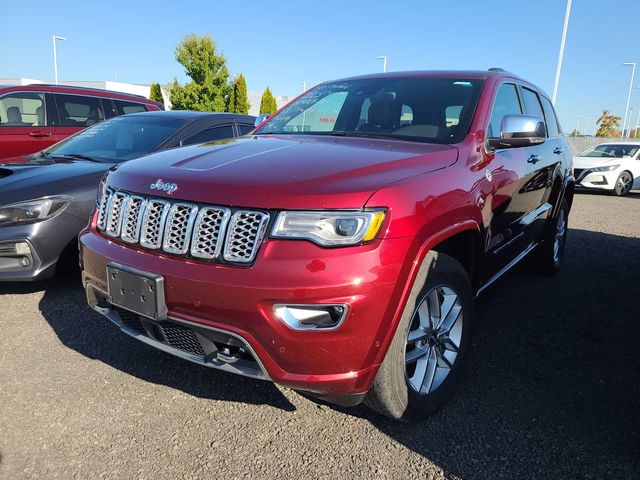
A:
33, 117
338, 249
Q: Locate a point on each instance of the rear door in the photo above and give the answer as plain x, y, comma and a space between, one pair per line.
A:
76, 112
23, 124
541, 162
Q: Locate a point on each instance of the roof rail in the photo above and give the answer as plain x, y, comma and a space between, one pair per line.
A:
496, 69
92, 89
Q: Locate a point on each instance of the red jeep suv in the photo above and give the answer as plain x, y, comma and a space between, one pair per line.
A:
33, 117
338, 249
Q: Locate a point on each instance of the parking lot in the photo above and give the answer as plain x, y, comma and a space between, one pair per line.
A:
551, 389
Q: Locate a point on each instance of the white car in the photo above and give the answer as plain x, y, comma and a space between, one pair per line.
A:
609, 166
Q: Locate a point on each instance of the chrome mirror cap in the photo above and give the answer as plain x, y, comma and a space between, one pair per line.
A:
261, 118
519, 131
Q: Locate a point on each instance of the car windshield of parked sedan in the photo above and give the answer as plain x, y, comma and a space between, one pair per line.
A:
118, 139
433, 110
611, 150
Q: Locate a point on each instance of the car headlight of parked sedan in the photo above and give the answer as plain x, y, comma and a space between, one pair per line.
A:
32, 210
329, 228
607, 168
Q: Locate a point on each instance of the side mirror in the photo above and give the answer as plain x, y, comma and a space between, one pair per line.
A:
519, 131
261, 118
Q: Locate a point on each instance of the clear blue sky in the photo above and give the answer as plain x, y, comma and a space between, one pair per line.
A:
279, 44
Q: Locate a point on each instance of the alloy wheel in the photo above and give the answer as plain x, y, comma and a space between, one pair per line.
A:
559, 237
433, 339
624, 183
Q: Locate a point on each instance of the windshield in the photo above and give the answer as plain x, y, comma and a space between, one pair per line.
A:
434, 110
611, 150
118, 139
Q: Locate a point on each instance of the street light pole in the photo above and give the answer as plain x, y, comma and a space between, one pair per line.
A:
384, 62
55, 59
626, 109
577, 126
561, 54
304, 112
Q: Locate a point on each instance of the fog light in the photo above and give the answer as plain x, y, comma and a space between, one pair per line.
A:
25, 262
15, 256
311, 317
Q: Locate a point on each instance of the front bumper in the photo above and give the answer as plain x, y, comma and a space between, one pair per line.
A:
587, 178
239, 301
46, 240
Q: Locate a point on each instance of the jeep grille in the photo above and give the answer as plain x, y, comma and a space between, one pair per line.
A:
206, 232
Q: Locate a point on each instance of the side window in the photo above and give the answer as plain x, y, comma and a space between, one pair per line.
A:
245, 128
210, 135
552, 120
78, 110
532, 104
506, 103
452, 115
123, 107
22, 110
406, 115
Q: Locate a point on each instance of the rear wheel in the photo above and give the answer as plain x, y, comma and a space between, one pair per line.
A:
426, 355
624, 183
548, 256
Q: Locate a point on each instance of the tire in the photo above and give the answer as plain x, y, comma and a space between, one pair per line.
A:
548, 257
397, 390
624, 184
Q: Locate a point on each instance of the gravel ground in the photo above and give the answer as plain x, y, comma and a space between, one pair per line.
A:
551, 389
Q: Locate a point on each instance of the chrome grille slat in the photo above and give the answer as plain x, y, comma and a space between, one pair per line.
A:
102, 212
153, 223
132, 219
117, 203
206, 232
178, 228
244, 235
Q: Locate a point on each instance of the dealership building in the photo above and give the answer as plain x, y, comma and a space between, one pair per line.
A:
133, 88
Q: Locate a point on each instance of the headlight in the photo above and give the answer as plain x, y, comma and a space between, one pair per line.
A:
32, 210
329, 228
608, 168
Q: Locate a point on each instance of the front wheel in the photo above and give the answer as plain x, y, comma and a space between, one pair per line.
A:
426, 355
624, 183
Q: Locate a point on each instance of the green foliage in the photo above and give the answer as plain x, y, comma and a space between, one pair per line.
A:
576, 133
156, 93
268, 103
209, 89
608, 124
239, 101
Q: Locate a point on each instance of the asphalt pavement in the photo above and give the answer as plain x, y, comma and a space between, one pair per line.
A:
551, 389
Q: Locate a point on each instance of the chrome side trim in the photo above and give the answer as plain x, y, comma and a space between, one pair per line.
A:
532, 215
506, 268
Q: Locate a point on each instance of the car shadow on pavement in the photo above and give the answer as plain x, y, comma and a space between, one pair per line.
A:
552, 385
78, 327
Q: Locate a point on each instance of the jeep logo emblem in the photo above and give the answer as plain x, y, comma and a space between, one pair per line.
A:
164, 186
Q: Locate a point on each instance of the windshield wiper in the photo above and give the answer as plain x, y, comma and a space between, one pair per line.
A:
77, 156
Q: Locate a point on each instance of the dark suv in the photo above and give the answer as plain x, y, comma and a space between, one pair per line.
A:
33, 117
338, 249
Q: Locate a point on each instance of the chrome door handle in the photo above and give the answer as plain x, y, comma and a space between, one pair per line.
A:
557, 151
533, 159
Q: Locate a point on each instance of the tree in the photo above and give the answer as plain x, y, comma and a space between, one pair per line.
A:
239, 102
156, 93
608, 124
209, 89
268, 103
576, 133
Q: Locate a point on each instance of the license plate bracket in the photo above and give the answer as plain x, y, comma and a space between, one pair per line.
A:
137, 291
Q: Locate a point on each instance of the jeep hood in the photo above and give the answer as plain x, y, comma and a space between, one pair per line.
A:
289, 171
